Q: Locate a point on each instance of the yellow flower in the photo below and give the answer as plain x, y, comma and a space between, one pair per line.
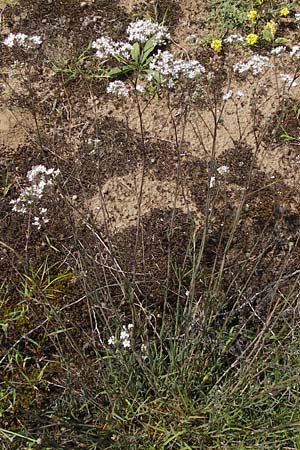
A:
251, 38
284, 12
252, 15
271, 25
216, 45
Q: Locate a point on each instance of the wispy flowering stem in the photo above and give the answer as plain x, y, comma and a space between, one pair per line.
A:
140, 192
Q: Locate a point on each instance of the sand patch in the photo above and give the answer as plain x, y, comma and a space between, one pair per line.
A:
117, 205
15, 127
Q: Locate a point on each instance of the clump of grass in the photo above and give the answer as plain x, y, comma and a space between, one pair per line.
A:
290, 123
192, 399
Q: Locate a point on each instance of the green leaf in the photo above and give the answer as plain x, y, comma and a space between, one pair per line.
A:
172, 438
145, 63
147, 50
149, 46
156, 76
135, 52
119, 59
117, 71
281, 40
145, 60
159, 79
287, 137
267, 34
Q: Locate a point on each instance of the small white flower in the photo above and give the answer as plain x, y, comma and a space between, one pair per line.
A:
9, 41
234, 37
288, 79
171, 67
21, 39
139, 88
278, 50
257, 64
240, 94
170, 84
191, 38
227, 96
126, 343
106, 47
297, 17
149, 77
36, 40
40, 178
124, 335
143, 30
111, 340
35, 172
143, 348
222, 170
295, 51
130, 326
117, 88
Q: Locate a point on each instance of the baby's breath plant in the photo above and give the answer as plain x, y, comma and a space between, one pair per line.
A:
193, 344
145, 59
135, 54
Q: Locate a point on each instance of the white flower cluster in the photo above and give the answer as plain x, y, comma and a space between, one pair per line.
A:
40, 178
257, 64
168, 65
278, 50
138, 88
234, 38
117, 88
41, 217
288, 79
120, 89
106, 47
222, 170
143, 30
192, 39
229, 94
139, 31
124, 339
240, 94
23, 40
295, 51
